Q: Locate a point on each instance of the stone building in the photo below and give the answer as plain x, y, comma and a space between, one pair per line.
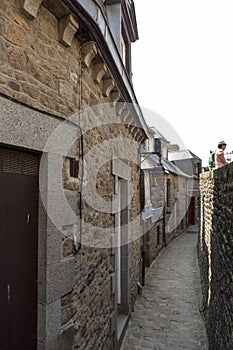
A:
154, 190
69, 174
166, 195
191, 164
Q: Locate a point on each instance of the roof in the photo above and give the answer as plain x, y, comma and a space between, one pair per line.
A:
152, 162
173, 169
180, 155
149, 161
157, 134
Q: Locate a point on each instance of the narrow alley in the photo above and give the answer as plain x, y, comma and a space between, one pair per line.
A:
166, 315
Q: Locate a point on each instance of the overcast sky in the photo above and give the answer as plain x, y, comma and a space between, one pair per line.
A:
183, 69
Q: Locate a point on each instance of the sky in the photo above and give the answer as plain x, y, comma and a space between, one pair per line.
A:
183, 70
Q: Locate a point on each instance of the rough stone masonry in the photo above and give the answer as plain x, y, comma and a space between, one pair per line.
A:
215, 249
47, 73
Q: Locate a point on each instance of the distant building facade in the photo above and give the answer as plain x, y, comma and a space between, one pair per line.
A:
192, 165
166, 195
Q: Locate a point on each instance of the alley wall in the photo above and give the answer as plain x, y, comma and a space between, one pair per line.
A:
215, 246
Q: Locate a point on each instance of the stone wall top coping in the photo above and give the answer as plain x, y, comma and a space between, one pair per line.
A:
216, 173
206, 175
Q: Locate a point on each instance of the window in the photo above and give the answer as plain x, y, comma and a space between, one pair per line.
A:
123, 48
74, 168
147, 187
126, 51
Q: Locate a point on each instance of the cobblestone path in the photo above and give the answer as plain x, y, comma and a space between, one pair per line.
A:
166, 315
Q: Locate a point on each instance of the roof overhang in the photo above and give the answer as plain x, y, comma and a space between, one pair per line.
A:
92, 13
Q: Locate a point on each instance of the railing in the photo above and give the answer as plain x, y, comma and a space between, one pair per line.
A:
229, 156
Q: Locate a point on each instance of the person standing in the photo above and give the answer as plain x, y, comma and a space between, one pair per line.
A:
220, 159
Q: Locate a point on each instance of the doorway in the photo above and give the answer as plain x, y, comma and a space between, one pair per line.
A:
191, 211
122, 254
18, 249
122, 258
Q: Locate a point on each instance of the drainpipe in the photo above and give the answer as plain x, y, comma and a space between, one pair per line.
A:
143, 228
77, 245
142, 222
143, 255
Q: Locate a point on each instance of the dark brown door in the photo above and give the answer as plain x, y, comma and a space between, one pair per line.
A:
18, 249
191, 212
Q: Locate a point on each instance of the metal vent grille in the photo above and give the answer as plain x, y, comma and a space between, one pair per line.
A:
30, 165
74, 168
16, 162
11, 162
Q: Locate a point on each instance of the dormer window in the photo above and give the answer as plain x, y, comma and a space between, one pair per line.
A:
122, 20
129, 33
123, 49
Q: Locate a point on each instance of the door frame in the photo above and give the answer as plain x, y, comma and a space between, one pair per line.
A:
122, 174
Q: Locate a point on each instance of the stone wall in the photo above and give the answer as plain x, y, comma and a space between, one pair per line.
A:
158, 183
215, 248
34, 68
176, 205
154, 241
162, 231
44, 79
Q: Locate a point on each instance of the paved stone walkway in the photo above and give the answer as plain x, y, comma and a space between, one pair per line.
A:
166, 315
